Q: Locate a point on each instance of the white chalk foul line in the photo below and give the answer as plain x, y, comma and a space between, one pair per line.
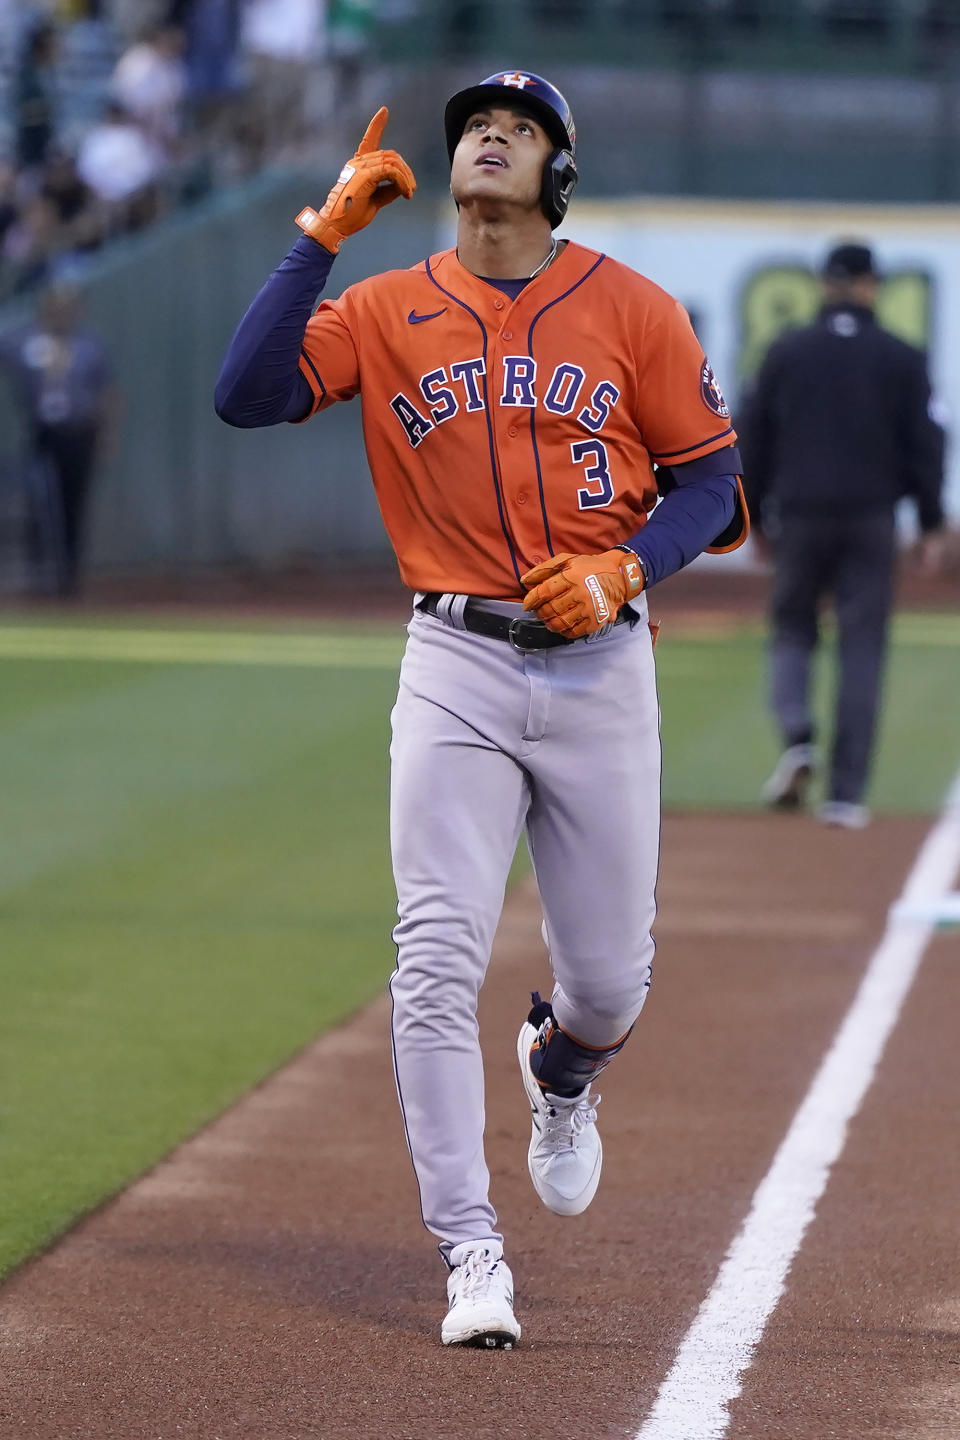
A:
693, 1401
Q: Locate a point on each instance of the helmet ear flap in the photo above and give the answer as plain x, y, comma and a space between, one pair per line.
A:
560, 177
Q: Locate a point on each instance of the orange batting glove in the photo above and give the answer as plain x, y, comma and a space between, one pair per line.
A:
578, 594
370, 179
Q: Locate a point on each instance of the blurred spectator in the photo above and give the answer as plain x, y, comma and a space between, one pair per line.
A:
34, 96
211, 29
82, 221
282, 40
203, 90
62, 374
121, 166
838, 427
63, 187
31, 245
150, 83
43, 232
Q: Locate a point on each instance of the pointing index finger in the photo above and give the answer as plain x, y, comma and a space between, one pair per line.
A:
374, 132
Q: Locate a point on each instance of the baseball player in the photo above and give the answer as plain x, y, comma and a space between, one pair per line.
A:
525, 401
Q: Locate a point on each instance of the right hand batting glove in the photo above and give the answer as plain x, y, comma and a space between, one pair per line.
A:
578, 594
370, 179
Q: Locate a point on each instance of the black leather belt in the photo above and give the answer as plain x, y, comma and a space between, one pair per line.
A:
521, 632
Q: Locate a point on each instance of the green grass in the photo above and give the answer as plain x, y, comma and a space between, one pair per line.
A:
720, 743
194, 880
194, 869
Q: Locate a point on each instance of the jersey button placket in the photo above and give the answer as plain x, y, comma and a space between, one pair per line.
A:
507, 426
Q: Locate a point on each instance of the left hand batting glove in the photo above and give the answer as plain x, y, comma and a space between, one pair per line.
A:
577, 595
370, 179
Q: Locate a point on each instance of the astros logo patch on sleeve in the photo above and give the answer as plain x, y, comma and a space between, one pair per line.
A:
710, 391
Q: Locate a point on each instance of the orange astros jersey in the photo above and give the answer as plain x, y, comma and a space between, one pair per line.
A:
499, 432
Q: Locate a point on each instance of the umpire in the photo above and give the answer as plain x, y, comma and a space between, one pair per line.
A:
837, 429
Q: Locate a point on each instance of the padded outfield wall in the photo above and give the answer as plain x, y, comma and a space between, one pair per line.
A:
186, 491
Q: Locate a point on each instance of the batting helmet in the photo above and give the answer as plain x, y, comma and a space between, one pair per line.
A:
522, 90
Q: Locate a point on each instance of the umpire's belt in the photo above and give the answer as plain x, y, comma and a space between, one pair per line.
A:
523, 633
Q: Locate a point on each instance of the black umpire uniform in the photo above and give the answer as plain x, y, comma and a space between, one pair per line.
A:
837, 428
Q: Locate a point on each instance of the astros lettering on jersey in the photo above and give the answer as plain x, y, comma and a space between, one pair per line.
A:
498, 432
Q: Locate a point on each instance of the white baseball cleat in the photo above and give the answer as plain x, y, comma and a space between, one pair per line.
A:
480, 1292
787, 787
565, 1153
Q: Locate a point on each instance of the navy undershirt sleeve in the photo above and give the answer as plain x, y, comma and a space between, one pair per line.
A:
260, 381
685, 522
725, 461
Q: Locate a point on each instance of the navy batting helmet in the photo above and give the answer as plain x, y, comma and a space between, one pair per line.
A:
522, 90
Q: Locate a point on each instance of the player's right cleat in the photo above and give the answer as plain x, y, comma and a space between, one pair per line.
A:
565, 1153
844, 815
787, 787
480, 1292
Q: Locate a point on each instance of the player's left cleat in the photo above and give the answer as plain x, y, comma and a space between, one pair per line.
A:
480, 1293
565, 1153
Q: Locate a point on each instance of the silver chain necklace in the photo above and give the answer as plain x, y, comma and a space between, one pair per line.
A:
544, 263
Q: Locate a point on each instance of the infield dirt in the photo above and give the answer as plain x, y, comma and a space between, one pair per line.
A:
270, 1278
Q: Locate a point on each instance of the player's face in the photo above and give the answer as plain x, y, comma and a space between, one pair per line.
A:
501, 158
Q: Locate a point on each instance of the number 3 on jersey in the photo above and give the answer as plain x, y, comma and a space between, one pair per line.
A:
599, 488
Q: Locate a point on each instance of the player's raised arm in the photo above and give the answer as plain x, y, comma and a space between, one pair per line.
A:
260, 381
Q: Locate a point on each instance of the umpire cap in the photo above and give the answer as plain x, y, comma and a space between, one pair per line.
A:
522, 90
849, 262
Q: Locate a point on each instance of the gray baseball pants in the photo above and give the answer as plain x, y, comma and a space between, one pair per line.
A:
486, 742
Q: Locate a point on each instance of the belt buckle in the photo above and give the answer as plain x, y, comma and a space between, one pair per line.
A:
513, 631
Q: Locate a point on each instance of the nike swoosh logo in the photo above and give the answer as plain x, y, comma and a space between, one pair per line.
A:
414, 319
